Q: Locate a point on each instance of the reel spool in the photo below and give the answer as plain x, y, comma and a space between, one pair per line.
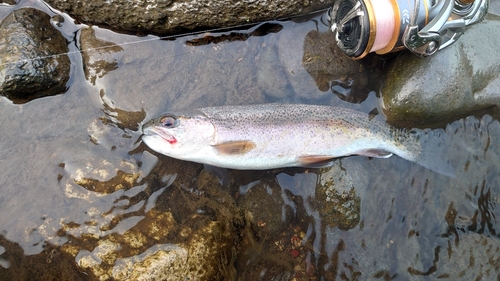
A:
383, 26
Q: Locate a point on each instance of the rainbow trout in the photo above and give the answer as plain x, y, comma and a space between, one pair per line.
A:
267, 136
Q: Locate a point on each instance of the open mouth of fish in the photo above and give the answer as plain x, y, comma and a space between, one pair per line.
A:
160, 133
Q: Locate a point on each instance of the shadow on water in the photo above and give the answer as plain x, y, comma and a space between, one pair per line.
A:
83, 198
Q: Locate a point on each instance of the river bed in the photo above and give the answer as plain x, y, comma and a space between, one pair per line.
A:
75, 174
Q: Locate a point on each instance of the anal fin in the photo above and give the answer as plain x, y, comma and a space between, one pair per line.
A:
315, 161
376, 153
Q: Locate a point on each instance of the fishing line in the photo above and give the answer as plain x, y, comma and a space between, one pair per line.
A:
24, 61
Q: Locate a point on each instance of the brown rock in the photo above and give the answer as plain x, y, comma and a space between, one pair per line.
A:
31, 65
174, 16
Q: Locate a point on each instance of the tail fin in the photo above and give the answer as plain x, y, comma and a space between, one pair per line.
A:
466, 140
433, 151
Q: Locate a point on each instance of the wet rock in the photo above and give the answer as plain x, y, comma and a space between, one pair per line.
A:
336, 199
330, 69
51, 264
30, 65
263, 206
290, 51
116, 254
174, 16
282, 245
457, 81
133, 255
11, 2
270, 77
160, 262
99, 56
90, 178
315, 67
157, 232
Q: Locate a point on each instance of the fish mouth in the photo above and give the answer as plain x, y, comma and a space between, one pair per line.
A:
152, 131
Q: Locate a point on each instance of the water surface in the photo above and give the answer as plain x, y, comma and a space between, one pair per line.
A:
76, 176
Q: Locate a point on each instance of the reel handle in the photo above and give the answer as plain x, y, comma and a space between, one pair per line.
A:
444, 29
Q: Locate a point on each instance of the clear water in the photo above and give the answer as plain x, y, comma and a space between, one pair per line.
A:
75, 173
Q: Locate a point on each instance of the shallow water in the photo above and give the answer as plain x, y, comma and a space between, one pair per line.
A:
75, 172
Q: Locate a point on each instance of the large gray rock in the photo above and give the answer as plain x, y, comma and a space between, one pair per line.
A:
29, 67
174, 16
457, 81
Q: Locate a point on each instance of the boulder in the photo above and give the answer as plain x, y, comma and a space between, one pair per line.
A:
175, 16
457, 81
34, 61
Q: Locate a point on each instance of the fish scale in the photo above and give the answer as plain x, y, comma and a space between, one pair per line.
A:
267, 136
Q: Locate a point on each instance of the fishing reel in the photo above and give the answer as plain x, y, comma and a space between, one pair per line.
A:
383, 26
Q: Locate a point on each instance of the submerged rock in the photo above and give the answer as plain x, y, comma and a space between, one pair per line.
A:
11, 2
157, 232
130, 256
31, 65
457, 81
336, 199
263, 205
331, 70
50, 264
99, 56
174, 16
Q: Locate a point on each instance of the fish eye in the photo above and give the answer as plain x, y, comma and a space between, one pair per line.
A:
169, 121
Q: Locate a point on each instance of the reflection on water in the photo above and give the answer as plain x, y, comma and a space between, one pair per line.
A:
261, 30
83, 198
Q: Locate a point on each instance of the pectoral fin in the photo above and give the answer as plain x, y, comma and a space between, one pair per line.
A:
377, 153
234, 147
315, 161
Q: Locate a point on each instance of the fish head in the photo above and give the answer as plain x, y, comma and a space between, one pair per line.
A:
178, 136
